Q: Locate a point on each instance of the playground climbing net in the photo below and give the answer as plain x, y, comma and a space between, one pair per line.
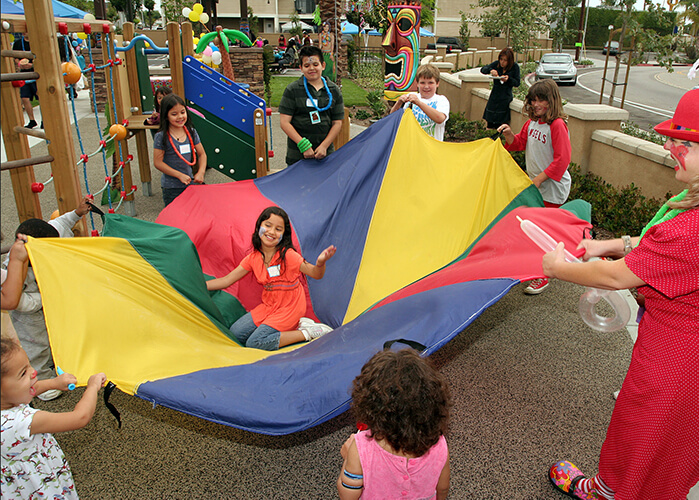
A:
117, 132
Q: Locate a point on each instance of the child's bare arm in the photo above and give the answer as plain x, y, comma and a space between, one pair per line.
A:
433, 114
507, 133
201, 163
443, 483
16, 274
317, 271
399, 102
159, 162
227, 280
44, 421
349, 487
61, 383
322, 150
290, 130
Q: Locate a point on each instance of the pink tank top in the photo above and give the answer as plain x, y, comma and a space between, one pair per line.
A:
390, 476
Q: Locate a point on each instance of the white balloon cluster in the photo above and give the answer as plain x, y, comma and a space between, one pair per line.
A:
196, 14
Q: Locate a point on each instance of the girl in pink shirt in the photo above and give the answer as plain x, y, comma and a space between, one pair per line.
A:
277, 266
546, 142
404, 402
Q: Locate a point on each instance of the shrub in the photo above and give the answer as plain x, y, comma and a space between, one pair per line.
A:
630, 128
620, 211
376, 103
362, 114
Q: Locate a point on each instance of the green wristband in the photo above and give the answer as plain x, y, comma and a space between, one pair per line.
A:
304, 145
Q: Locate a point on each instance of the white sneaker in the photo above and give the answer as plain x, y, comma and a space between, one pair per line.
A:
315, 331
306, 322
49, 395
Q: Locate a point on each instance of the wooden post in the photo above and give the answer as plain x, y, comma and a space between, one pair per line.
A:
187, 40
261, 160
175, 47
114, 100
17, 145
52, 95
135, 97
344, 136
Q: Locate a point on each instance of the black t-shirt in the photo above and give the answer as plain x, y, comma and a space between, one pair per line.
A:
22, 44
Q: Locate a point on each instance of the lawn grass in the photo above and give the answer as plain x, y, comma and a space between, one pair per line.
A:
352, 94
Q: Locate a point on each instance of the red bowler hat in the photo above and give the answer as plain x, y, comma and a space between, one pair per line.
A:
684, 124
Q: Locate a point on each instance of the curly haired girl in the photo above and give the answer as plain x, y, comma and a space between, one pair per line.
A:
404, 404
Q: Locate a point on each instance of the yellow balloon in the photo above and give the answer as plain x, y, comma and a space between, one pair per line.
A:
198, 8
12, 38
82, 36
194, 17
147, 45
195, 40
89, 17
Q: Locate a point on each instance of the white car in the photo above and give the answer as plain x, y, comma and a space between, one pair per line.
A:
558, 66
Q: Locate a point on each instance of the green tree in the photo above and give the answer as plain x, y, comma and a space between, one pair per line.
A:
254, 24
172, 9
295, 21
150, 15
128, 7
519, 21
464, 31
690, 17
560, 29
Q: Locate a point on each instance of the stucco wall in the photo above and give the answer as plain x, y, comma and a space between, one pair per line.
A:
597, 145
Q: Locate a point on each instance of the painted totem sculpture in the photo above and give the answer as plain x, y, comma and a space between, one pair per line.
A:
401, 48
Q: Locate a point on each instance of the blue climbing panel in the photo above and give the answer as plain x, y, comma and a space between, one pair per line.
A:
220, 96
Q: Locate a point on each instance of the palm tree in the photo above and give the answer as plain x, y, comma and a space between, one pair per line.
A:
690, 15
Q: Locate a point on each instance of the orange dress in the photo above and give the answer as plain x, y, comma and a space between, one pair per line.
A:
283, 298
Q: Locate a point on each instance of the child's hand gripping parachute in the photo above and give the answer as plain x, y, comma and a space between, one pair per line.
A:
592, 296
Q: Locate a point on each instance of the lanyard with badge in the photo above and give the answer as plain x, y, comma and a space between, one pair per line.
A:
315, 115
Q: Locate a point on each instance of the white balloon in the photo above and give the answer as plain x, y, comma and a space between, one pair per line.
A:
216, 57
89, 17
186, 11
206, 59
203, 18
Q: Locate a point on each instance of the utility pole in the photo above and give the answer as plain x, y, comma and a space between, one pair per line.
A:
580, 31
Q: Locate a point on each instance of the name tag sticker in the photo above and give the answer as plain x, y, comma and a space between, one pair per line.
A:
273, 271
312, 103
185, 148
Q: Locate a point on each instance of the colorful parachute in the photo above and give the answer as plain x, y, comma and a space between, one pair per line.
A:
427, 239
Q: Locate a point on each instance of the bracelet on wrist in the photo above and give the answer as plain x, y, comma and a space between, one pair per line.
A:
626, 239
304, 145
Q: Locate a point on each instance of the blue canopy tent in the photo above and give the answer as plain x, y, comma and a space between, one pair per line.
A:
424, 32
348, 28
60, 9
9, 7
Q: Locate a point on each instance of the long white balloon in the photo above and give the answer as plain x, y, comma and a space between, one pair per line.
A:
588, 300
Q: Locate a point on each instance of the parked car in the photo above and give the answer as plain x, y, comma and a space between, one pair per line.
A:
614, 49
558, 66
451, 42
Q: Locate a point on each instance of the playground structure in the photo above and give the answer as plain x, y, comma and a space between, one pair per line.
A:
39, 22
231, 120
